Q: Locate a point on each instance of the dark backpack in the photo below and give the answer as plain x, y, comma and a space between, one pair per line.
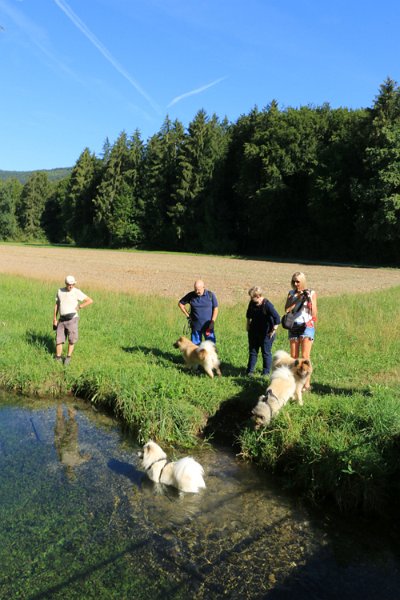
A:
289, 318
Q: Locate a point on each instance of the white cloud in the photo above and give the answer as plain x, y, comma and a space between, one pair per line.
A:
196, 91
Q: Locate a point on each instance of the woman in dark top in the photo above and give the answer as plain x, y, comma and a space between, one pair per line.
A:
262, 323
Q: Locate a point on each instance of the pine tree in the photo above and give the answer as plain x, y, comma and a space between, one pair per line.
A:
30, 208
53, 219
274, 178
10, 192
119, 203
191, 212
160, 175
378, 196
78, 208
343, 135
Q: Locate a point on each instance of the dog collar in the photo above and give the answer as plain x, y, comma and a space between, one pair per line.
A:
156, 461
271, 414
161, 472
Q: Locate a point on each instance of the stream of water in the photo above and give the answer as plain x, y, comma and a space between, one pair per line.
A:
79, 520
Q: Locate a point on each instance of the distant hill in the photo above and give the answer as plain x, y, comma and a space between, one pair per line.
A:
23, 176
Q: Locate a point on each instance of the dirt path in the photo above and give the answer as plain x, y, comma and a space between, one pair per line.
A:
172, 275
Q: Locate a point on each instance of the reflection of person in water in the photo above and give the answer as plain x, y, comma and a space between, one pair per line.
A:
66, 441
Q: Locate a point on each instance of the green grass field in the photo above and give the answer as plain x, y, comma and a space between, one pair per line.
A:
343, 444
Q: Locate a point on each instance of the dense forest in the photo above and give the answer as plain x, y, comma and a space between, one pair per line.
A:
310, 182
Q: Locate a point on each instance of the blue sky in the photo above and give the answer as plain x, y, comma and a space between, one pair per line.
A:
78, 71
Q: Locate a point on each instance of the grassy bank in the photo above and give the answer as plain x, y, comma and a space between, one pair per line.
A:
343, 444
124, 359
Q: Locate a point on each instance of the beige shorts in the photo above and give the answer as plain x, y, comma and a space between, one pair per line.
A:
67, 329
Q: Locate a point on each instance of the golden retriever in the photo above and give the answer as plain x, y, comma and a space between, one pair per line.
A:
204, 355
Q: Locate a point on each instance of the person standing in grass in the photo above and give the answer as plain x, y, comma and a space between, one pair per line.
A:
69, 300
262, 323
301, 336
203, 312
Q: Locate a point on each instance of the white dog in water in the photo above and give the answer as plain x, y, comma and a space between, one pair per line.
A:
185, 474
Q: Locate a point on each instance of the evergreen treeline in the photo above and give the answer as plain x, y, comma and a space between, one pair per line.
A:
312, 182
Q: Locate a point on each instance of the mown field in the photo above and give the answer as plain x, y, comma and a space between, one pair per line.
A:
170, 275
342, 445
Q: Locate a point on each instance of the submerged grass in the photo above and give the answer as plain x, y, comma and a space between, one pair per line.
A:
343, 444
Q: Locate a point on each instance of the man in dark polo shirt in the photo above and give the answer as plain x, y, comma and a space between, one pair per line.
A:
203, 312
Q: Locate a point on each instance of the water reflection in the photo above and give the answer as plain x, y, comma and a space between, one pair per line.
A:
66, 441
115, 534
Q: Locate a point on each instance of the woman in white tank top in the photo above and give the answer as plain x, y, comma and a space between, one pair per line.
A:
301, 337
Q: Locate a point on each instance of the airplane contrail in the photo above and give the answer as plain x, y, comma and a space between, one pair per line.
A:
37, 35
196, 91
103, 50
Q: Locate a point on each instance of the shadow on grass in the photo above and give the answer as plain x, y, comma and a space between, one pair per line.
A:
166, 356
176, 359
41, 340
234, 414
321, 389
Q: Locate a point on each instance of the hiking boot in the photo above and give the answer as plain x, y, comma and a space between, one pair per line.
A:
58, 359
67, 360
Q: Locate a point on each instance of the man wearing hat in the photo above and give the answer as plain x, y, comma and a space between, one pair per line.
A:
69, 300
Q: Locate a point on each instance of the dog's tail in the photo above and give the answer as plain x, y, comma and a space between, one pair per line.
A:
202, 353
189, 475
207, 345
281, 355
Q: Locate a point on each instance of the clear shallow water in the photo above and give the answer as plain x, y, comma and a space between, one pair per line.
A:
78, 519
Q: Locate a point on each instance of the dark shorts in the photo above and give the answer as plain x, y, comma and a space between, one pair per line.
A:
302, 332
67, 329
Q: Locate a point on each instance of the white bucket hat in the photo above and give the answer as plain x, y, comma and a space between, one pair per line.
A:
70, 280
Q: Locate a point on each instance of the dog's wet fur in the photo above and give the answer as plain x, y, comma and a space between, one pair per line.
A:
185, 474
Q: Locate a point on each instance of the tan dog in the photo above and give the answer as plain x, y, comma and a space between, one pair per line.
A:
281, 389
280, 358
287, 381
300, 367
185, 474
204, 355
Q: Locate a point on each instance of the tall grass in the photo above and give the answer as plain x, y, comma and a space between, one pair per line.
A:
342, 444
124, 359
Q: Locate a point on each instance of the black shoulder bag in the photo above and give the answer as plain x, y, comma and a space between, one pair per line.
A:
289, 318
